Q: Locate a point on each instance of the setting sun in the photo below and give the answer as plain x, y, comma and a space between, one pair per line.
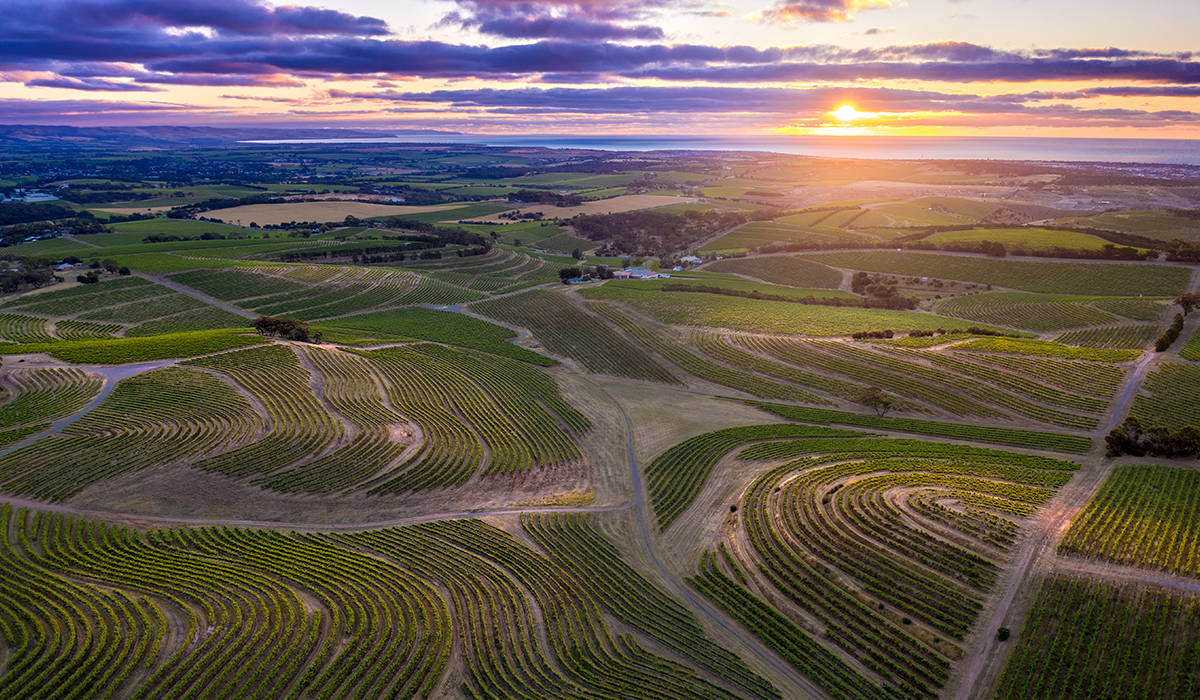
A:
847, 113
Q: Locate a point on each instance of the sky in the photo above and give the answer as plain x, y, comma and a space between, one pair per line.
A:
1075, 68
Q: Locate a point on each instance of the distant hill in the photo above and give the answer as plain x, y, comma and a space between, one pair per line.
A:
126, 136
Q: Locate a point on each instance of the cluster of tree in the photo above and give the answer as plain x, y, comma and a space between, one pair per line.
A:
1188, 301
1132, 438
289, 328
1170, 335
410, 224
863, 283
119, 218
545, 197
518, 215
24, 213
206, 236
16, 280
916, 333
871, 335
94, 195
476, 250
1183, 251
896, 302
649, 232
378, 259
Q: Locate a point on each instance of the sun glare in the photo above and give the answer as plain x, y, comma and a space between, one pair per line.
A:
848, 113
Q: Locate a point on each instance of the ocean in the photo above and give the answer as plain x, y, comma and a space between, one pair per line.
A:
1156, 151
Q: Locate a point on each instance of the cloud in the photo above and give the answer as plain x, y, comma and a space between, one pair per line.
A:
548, 27
820, 10
642, 100
252, 44
595, 20
89, 18
90, 84
874, 31
13, 111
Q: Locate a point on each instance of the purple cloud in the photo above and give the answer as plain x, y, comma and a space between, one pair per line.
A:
547, 27
772, 103
91, 17
90, 84
600, 20
820, 10
97, 45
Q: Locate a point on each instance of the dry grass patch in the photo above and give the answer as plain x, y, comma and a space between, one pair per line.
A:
264, 214
582, 497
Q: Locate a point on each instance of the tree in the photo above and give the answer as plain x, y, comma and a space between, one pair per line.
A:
873, 397
568, 272
1188, 302
289, 328
576, 254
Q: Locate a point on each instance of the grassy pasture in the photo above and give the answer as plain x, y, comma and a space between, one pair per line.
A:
1092, 279
736, 313
1031, 238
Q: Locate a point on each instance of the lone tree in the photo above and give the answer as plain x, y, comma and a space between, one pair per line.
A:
874, 398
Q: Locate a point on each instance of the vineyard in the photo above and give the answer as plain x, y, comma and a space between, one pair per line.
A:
1173, 399
1118, 337
476, 413
1143, 515
889, 547
1031, 312
446, 468
790, 270
1089, 639
569, 332
221, 612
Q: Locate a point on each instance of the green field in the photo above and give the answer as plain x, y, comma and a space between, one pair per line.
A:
1091, 279
1030, 238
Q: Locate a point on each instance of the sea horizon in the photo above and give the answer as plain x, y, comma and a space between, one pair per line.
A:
1008, 148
